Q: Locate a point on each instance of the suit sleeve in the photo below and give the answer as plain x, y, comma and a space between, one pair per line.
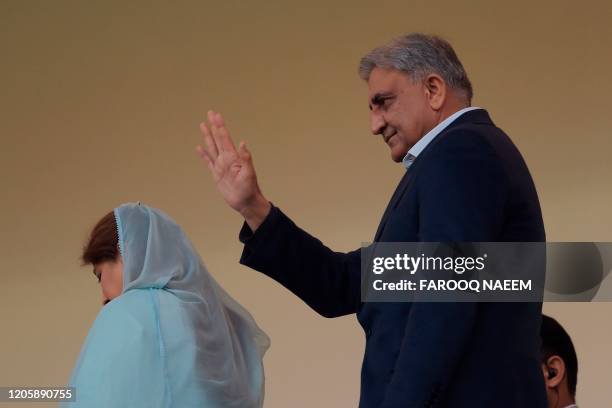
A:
327, 281
461, 198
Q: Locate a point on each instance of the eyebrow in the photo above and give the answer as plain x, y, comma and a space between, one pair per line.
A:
379, 98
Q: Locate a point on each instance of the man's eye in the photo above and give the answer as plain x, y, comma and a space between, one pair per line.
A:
386, 102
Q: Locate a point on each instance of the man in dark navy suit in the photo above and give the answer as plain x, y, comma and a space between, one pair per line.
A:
465, 181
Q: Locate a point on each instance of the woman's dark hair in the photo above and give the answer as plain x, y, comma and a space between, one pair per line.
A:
102, 244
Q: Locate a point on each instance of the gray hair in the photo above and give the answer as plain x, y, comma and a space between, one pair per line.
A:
419, 55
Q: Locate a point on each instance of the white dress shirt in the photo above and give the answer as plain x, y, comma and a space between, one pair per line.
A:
419, 146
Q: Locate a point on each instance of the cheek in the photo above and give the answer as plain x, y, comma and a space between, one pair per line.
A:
112, 284
401, 118
405, 127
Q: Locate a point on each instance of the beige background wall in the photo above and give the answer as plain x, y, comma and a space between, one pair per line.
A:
100, 104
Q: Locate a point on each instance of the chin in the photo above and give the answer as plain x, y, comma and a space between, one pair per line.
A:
397, 155
397, 159
398, 149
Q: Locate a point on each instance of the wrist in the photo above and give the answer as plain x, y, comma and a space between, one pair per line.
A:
256, 212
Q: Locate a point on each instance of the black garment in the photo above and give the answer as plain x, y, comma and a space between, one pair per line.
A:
470, 184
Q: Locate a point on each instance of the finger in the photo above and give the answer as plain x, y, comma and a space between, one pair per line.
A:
206, 157
244, 153
214, 130
224, 138
210, 142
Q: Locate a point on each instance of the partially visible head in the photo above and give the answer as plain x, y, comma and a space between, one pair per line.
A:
414, 82
102, 251
559, 363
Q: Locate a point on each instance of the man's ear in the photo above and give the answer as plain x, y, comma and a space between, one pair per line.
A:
554, 371
435, 91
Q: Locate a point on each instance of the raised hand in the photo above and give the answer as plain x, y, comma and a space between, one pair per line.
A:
232, 171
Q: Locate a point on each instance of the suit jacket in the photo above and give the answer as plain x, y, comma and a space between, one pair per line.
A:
470, 184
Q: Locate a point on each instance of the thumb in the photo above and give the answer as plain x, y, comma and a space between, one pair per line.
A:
243, 152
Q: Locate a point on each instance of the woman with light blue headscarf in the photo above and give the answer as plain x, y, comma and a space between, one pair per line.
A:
168, 335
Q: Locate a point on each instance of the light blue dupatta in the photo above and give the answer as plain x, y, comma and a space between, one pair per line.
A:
174, 338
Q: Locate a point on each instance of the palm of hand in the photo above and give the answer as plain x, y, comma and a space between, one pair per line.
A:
234, 178
232, 169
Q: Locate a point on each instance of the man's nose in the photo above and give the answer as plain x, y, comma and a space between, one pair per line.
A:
377, 123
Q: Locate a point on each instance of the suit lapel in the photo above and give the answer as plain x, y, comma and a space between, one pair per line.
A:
478, 116
395, 199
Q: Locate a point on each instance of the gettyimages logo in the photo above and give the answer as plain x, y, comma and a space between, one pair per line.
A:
486, 272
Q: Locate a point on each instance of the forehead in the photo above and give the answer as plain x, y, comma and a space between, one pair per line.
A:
102, 265
385, 80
